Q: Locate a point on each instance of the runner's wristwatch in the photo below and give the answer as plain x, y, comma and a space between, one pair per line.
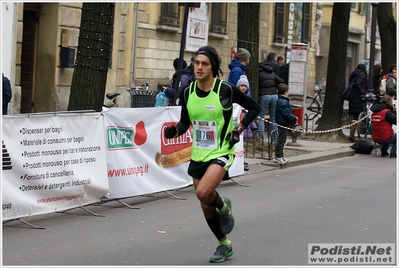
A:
240, 128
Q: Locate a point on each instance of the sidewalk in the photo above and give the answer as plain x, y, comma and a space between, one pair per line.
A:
304, 151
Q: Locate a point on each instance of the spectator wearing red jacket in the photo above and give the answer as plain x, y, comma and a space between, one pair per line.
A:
383, 117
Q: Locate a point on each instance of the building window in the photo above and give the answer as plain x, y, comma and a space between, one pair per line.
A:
280, 23
306, 20
218, 18
169, 15
363, 8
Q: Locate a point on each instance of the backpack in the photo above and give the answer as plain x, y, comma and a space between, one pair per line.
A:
363, 146
348, 89
383, 88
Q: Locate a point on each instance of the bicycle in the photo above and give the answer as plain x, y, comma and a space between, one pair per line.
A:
346, 117
364, 124
313, 105
112, 101
112, 97
144, 86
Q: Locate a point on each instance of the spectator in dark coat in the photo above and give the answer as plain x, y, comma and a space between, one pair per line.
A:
272, 60
377, 79
184, 80
356, 104
190, 69
285, 69
268, 82
7, 93
280, 61
391, 81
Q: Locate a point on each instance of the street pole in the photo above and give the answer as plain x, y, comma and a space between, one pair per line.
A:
372, 46
182, 46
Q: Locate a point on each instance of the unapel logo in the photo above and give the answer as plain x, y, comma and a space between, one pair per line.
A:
122, 138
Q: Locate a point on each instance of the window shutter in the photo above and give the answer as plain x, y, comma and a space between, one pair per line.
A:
279, 27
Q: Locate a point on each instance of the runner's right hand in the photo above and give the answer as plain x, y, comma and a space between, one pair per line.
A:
170, 132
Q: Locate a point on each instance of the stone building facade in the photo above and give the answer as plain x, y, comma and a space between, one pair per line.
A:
144, 46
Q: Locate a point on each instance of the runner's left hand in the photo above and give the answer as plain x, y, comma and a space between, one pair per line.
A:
233, 137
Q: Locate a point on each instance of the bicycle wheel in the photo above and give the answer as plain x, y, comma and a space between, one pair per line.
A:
346, 117
367, 127
361, 126
313, 108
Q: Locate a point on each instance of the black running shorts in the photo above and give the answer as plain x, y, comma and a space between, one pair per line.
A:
198, 169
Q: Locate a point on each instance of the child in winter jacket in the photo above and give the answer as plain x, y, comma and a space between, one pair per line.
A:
243, 85
284, 118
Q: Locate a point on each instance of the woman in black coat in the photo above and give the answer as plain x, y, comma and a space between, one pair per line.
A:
377, 79
356, 105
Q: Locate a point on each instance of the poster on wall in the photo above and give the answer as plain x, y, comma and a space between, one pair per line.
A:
197, 27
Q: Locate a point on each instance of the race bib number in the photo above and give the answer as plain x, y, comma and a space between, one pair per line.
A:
205, 134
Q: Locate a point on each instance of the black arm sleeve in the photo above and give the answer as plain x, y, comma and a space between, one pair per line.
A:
248, 103
391, 117
184, 122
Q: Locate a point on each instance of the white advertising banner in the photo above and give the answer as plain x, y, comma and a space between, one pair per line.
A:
140, 160
238, 165
52, 162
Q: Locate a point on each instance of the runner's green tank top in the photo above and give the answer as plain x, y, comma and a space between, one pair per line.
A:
206, 115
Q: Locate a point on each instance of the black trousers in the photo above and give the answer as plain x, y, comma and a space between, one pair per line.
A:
282, 138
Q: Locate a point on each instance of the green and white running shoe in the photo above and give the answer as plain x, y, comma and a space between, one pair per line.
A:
222, 253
